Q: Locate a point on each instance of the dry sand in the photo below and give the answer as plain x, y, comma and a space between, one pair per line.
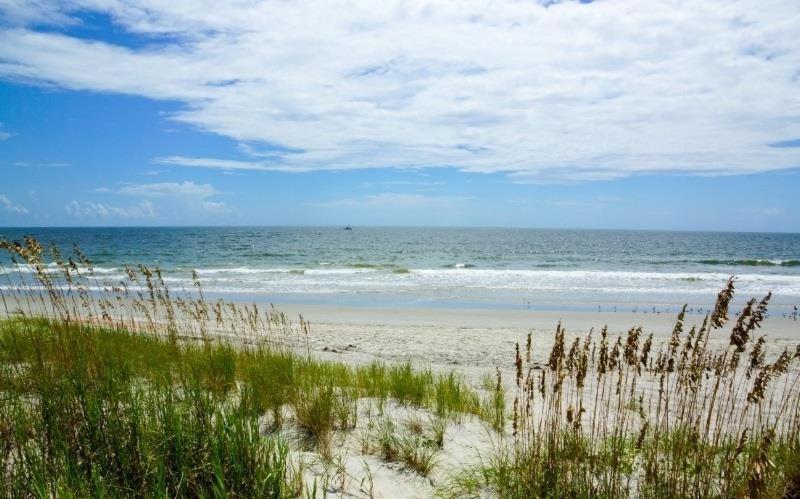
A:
475, 342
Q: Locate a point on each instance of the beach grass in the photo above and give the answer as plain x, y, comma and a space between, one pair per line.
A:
142, 393
93, 410
87, 411
126, 389
614, 418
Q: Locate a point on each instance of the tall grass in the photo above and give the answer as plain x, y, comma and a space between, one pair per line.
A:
87, 411
619, 417
127, 389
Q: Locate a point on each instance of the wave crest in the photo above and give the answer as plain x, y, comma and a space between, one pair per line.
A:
753, 262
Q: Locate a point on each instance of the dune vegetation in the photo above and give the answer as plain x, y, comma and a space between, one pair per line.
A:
127, 389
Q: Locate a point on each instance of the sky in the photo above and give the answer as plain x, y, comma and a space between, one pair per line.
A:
625, 114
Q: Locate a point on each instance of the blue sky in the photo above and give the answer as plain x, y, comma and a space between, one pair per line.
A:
608, 114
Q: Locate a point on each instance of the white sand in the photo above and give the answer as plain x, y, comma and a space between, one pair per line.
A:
475, 342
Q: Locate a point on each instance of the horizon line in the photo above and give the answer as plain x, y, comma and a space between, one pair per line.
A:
332, 226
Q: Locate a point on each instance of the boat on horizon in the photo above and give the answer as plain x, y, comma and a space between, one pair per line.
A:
347, 227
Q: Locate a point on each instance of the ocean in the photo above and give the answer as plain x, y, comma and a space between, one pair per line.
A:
592, 270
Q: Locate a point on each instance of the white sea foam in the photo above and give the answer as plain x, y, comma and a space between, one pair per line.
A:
237, 270
54, 268
443, 284
522, 280
285, 270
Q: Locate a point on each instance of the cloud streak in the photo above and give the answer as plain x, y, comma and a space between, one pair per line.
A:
216, 208
92, 210
14, 208
164, 189
394, 201
561, 92
214, 163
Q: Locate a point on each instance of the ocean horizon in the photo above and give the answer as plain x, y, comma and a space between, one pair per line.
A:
455, 267
19, 228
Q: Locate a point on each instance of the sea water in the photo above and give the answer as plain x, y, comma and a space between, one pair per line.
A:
600, 270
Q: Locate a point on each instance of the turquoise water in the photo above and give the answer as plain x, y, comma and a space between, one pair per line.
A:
455, 267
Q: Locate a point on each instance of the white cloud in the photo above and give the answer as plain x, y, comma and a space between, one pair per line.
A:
409, 183
610, 199
37, 164
597, 202
215, 207
185, 197
8, 205
187, 188
89, 209
394, 201
767, 211
222, 164
773, 211
4, 135
33, 11
557, 93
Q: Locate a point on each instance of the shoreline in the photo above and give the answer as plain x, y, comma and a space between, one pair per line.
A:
660, 324
476, 342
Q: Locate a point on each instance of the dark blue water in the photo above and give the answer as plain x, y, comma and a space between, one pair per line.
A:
546, 269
